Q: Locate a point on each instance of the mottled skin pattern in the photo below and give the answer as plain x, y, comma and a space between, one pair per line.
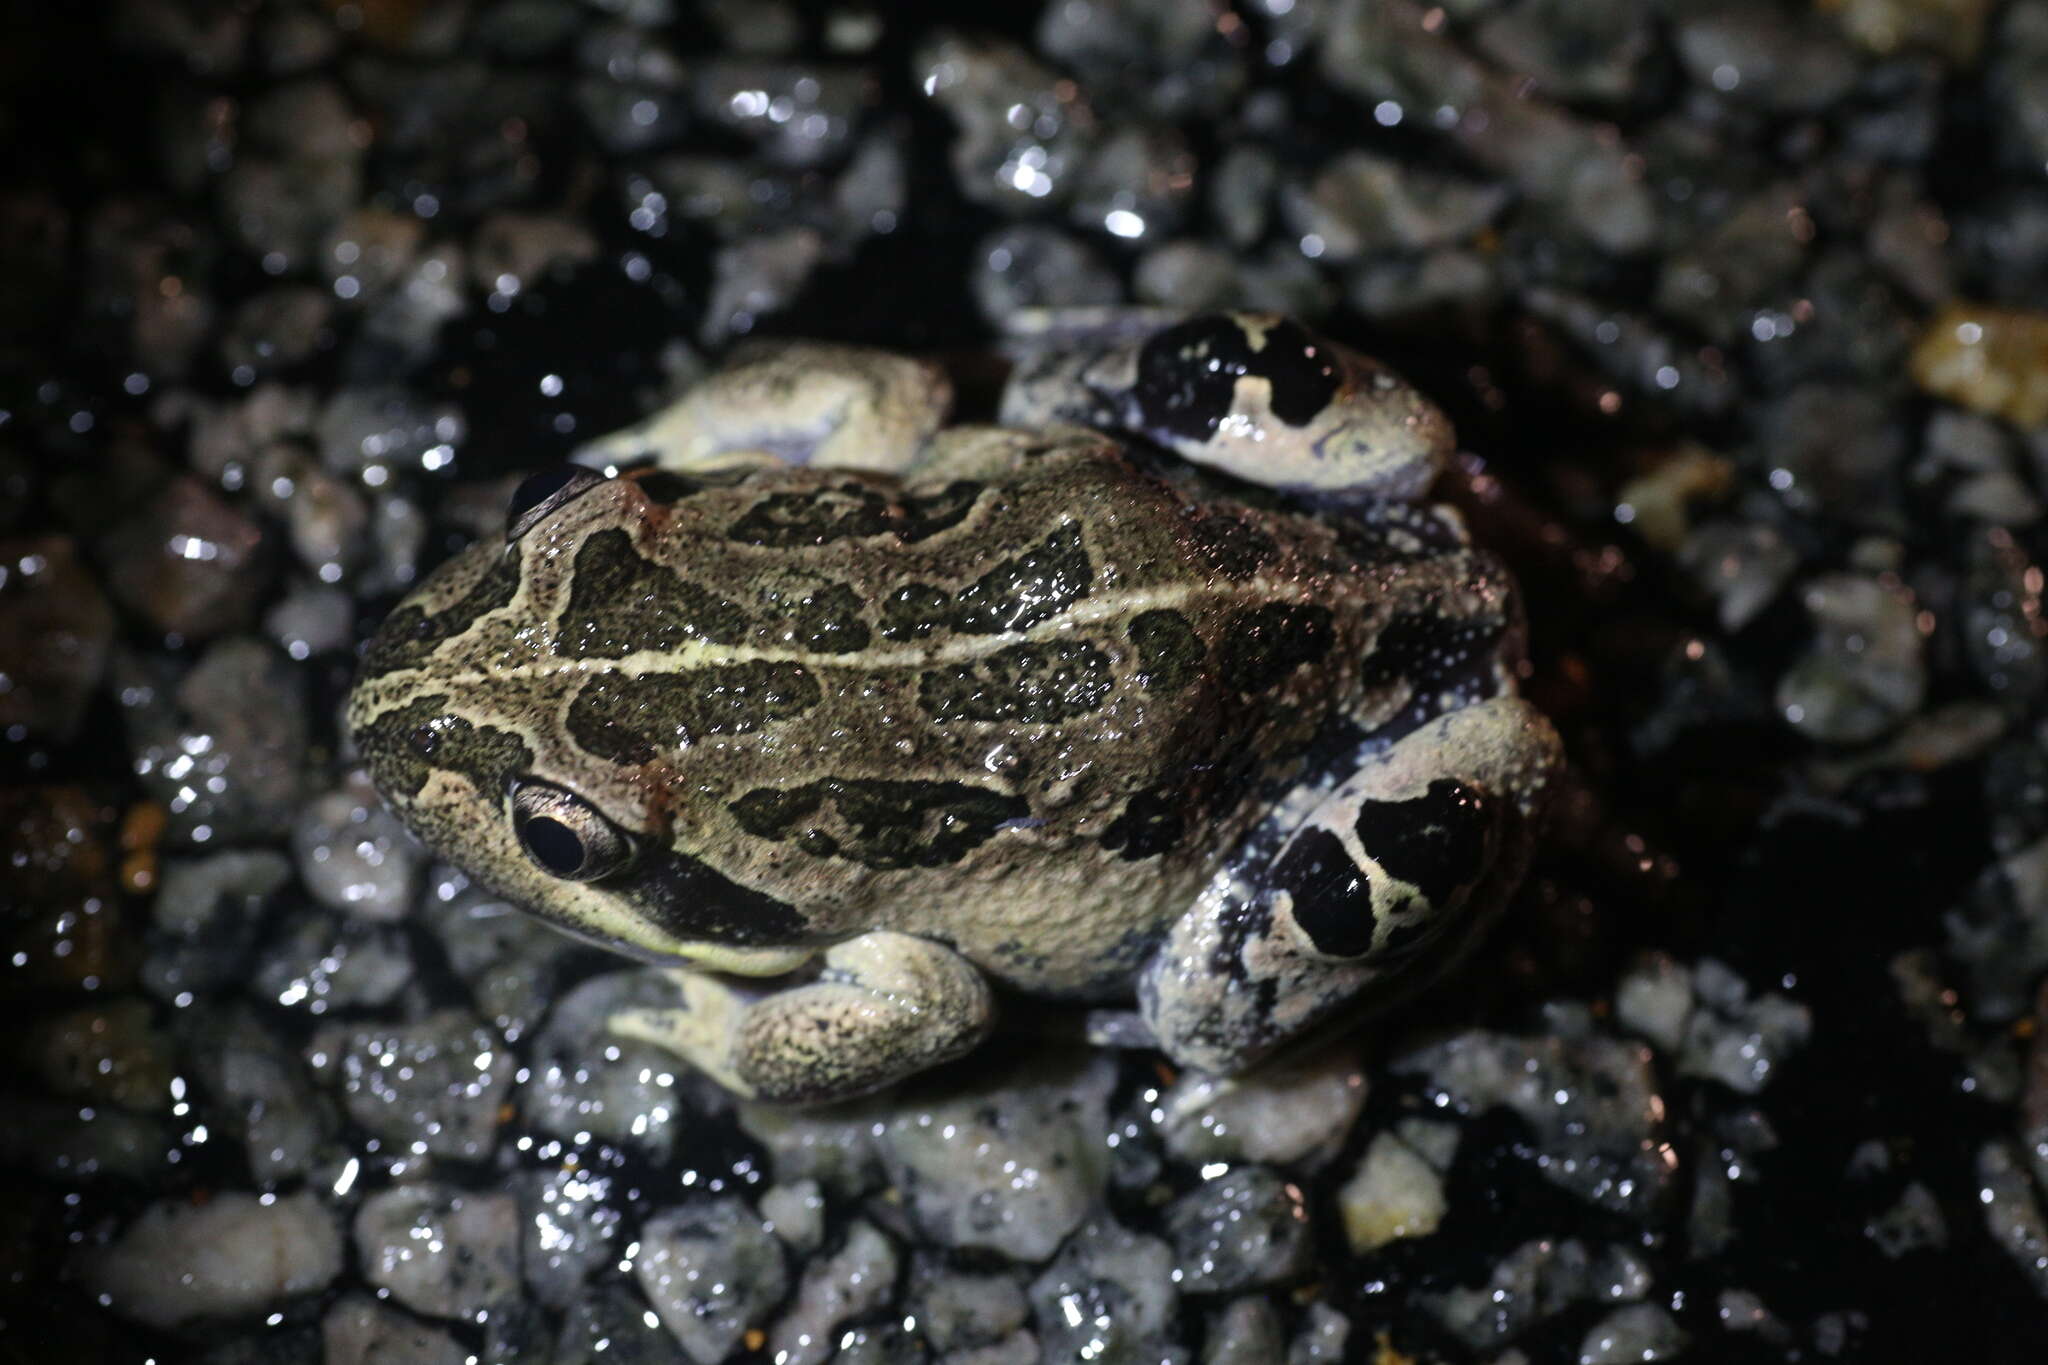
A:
1043, 710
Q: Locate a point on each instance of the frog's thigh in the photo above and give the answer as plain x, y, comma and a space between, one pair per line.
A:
794, 402
1380, 885
885, 1006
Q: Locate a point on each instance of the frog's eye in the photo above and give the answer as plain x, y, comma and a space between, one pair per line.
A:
565, 835
540, 494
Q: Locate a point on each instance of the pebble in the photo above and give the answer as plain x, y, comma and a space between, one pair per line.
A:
1991, 360
1742, 565
1865, 672
1286, 1114
108, 1052
711, 1269
1591, 1103
583, 1083
1531, 1284
258, 1091
797, 1214
205, 917
1011, 1165
435, 1087
55, 631
312, 620
1032, 266
570, 1227
610, 1325
1758, 54
1322, 1339
353, 855
1394, 1193
1242, 1228
277, 329
358, 1330
1361, 204
753, 278
185, 561
1022, 132
851, 1283
1245, 1331
1738, 1041
1639, 1332
236, 1253
320, 962
60, 1140
1109, 1295
440, 1250
1912, 1224
962, 1309
1654, 1000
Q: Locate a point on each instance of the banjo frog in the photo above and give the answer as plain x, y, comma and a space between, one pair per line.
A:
1167, 692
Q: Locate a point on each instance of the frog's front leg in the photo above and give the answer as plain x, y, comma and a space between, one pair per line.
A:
883, 1007
1378, 886
791, 402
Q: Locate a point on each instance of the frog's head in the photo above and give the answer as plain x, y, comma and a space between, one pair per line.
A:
501, 711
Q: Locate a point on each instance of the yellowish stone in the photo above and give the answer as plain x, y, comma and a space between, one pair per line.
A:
1993, 360
1953, 28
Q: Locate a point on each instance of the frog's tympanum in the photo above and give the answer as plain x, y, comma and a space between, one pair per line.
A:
1165, 692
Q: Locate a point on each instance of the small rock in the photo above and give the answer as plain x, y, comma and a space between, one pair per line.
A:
711, 1269
358, 1330
1109, 1295
1393, 1194
354, 856
1915, 1222
1279, 1115
1759, 54
1865, 671
1743, 565
440, 1250
610, 1325
1990, 360
235, 1254
571, 1228
797, 1214
55, 629
1639, 1332
1245, 1331
1322, 1338
858, 1279
958, 1309
185, 562
1010, 1166
1030, 266
436, 1087
319, 962
1244, 1228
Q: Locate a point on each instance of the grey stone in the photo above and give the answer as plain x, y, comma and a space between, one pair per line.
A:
1243, 1228
440, 1250
711, 1269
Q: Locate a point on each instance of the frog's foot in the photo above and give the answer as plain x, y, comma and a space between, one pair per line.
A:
791, 402
884, 1007
1258, 396
1381, 885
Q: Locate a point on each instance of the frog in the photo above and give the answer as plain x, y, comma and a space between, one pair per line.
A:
1166, 697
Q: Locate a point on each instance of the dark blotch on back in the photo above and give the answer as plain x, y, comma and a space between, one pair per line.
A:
915, 610
1187, 375
1260, 647
1150, 825
1169, 652
1019, 593
880, 823
1232, 546
1032, 683
827, 620
1332, 900
620, 601
851, 511
631, 719
409, 634
403, 747
1436, 842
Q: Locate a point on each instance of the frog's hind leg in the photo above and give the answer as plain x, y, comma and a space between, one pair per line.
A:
884, 1006
791, 402
1361, 897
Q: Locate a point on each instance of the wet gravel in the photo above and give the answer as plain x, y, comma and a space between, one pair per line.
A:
1742, 311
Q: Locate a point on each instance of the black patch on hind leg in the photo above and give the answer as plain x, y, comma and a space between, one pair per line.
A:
1332, 894
1436, 842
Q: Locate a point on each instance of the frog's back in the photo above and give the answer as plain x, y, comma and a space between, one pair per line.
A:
966, 706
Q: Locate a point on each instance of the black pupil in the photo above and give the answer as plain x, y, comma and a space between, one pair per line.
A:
538, 488
553, 845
